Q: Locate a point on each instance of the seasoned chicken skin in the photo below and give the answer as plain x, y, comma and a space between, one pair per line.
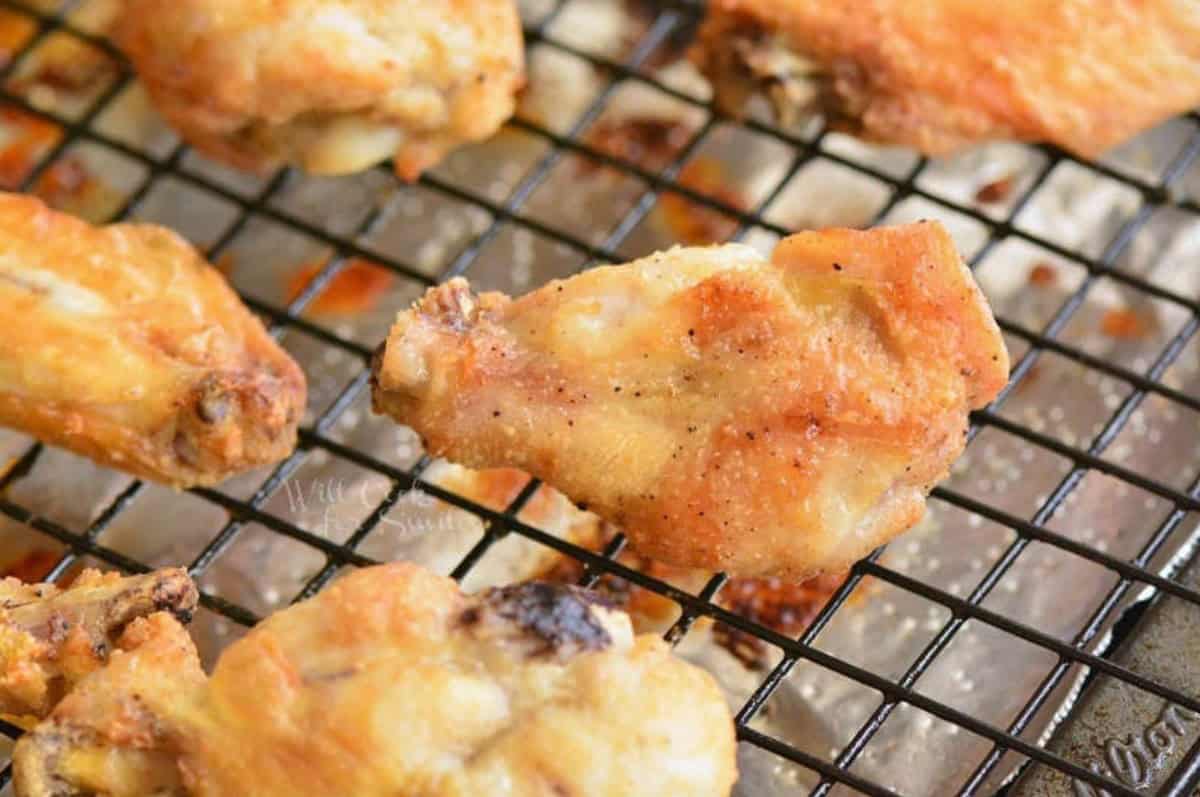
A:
333, 85
120, 343
50, 638
780, 416
393, 682
940, 75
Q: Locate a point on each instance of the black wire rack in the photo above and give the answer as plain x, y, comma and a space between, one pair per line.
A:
665, 23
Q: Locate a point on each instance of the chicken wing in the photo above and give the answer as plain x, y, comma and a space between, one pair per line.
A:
120, 343
394, 682
107, 737
729, 412
50, 638
333, 85
940, 75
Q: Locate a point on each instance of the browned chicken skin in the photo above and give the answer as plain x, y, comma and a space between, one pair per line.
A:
332, 85
120, 343
393, 682
729, 412
940, 75
50, 638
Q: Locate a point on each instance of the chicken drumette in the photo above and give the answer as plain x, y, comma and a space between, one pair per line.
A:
120, 343
393, 682
939, 75
333, 85
729, 412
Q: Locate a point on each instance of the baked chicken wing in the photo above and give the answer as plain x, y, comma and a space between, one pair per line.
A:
50, 638
333, 85
120, 343
393, 682
940, 75
780, 416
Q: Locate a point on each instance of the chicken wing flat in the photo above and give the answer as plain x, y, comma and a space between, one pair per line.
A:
940, 75
333, 85
779, 416
120, 343
50, 638
393, 682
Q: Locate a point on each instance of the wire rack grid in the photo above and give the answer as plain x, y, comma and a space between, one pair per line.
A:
1099, 260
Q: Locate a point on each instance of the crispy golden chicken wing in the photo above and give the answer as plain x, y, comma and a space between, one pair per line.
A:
333, 85
940, 75
393, 682
50, 638
108, 736
729, 412
120, 343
